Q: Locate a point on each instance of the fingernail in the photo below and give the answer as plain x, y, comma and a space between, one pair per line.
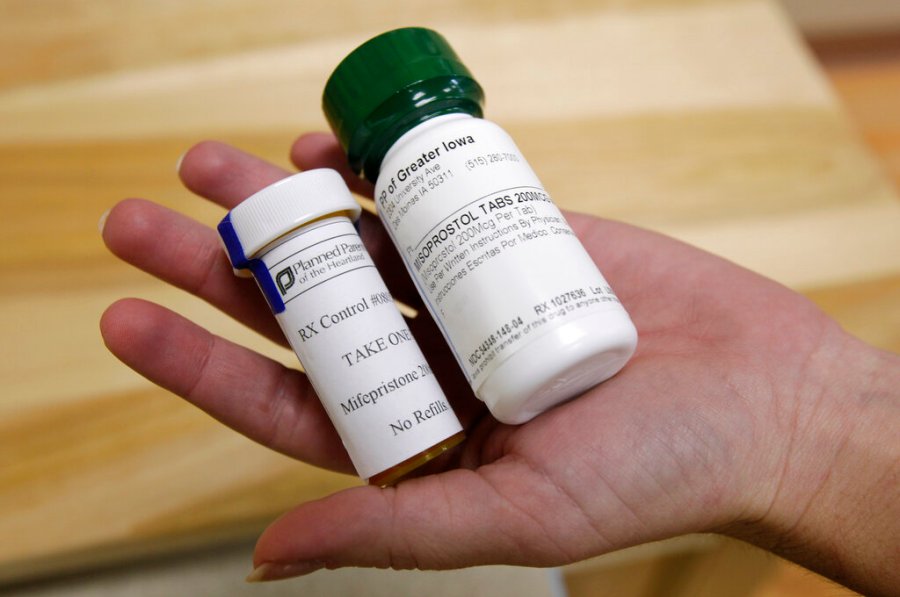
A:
273, 571
178, 163
102, 222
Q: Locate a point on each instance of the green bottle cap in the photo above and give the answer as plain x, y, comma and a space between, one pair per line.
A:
390, 84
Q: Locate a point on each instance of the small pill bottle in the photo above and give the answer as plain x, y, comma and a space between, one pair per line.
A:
528, 315
298, 240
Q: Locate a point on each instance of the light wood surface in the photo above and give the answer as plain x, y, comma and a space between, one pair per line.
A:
704, 119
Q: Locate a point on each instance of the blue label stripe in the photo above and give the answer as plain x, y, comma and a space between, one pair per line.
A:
240, 261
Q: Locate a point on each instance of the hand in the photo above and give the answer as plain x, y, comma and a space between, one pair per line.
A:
740, 412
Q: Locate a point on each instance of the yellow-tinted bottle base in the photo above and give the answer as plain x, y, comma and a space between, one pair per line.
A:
397, 472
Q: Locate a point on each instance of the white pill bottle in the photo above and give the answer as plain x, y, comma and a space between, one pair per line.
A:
528, 315
297, 239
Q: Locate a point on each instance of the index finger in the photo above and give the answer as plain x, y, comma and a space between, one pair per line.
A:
322, 150
225, 174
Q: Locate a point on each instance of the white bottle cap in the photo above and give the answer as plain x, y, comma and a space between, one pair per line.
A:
276, 210
282, 207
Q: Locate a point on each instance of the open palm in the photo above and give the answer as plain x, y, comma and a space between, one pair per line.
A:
696, 434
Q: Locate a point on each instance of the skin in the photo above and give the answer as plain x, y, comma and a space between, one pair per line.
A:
745, 411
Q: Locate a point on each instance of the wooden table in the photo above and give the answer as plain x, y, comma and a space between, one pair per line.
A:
704, 119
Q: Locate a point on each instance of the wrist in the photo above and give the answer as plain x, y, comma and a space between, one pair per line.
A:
835, 509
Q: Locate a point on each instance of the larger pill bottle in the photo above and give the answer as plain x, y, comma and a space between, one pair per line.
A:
297, 238
530, 318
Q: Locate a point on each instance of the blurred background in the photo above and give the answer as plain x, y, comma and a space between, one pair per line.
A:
765, 132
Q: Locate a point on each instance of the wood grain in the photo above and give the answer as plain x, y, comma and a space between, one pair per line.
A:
706, 120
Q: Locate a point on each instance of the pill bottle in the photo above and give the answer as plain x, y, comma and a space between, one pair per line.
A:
528, 315
298, 240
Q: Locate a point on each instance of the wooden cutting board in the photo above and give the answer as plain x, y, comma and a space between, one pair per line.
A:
704, 119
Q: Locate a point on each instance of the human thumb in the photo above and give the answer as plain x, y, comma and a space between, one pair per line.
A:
451, 520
